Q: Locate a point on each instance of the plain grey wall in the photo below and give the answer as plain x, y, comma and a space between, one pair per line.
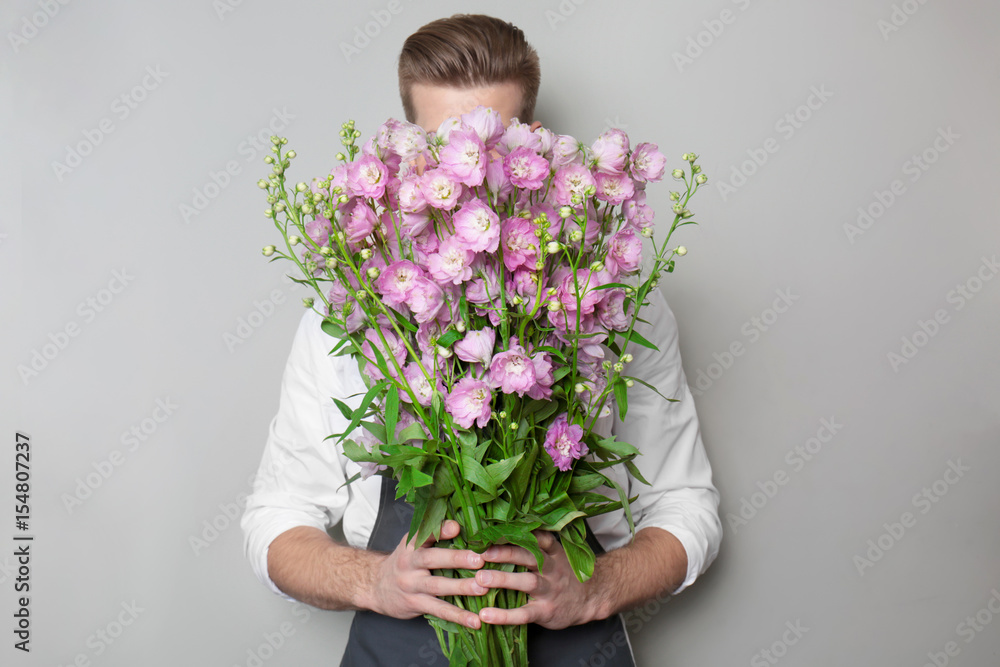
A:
811, 114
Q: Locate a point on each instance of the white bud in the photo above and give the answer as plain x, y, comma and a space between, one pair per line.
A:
443, 352
373, 272
294, 240
647, 232
565, 211
268, 250
460, 326
301, 187
629, 382
366, 253
552, 247
681, 250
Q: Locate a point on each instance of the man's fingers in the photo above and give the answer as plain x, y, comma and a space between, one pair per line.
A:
508, 553
450, 612
441, 558
440, 586
449, 529
517, 581
517, 616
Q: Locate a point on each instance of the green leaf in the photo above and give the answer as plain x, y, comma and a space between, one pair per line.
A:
515, 533
449, 337
617, 447
391, 414
359, 454
585, 482
412, 432
344, 408
376, 429
557, 520
578, 552
432, 518
332, 328
641, 381
635, 336
610, 285
359, 414
632, 468
499, 471
621, 397
476, 473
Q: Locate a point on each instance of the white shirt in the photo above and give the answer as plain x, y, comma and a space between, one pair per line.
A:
301, 475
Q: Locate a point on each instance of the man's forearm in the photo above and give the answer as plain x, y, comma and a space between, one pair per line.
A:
307, 564
653, 563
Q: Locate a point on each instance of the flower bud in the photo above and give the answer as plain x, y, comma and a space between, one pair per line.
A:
301, 187
307, 208
294, 240
597, 266
675, 196
366, 253
552, 247
502, 414
647, 232
619, 367
513, 426
681, 250
677, 173
268, 213
341, 156
565, 211
576, 236
444, 352
701, 179
326, 251
629, 382
361, 295
262, 184
308, 302
268, 250
275, 140
627, 357
554, 305
269, 159
460, 326
291, 155
579, 388
279, 207
373, 272
342, 199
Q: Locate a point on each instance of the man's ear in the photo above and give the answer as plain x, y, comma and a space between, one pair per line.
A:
537, 124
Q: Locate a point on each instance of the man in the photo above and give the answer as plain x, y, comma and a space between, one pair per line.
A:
446, 68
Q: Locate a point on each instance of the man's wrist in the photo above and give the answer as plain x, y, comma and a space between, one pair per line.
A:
369, 564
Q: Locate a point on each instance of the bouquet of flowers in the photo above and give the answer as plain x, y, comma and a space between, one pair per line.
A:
489, 299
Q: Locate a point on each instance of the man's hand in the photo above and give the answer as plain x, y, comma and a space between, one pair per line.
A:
402, 585
558, 598
653, 562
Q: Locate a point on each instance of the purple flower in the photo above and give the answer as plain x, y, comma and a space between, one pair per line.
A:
477, 226
614, 188
520, 244
452, 262
367, 177
624, 251
439, 189
397, 281
572, 180
525, 168
564, 442
647, 163
425, 299
610, 311
512, 371
486, 123
610, 151
464, 158
477, 346
468, 402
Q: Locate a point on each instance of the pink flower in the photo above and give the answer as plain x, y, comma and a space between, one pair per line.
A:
425, 299
610, 311
419, 384
637, 212
410, 196
440, 190
566, 150
525, 168
484, 288
610, 151
520, 245
477, 226
477, 346
585, 283
367, 177
543, 374
359, 222
397, 281
512, 371
452, 262
647, 163
496, 178
624, 251
518, 134
318, 230
572, 180
564, 443
486, 123
614, 188
468, 402
464, 158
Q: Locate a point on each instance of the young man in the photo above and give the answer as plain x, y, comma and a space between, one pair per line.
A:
447, 68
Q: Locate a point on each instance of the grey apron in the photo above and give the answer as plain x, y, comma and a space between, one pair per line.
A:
383, 641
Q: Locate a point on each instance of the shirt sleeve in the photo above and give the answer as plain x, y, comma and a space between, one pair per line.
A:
301, 476
681, 498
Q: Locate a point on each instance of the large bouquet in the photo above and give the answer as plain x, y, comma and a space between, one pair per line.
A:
490, 299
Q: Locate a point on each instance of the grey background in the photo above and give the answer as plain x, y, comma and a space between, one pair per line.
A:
163, 336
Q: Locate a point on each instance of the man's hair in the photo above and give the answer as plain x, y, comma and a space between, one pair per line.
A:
469, 51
